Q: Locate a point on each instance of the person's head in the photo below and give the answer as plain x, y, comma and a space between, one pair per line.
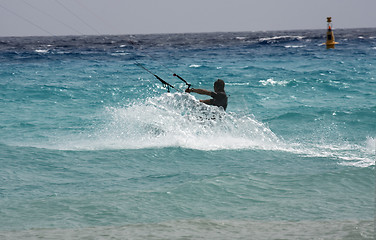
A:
219, 85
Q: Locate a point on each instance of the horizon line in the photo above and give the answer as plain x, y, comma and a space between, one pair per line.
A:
177, 33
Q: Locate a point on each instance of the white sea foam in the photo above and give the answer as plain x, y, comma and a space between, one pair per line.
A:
194, 66
294, 46
347, 154
371, 145
41, 50
272, 82
277, 38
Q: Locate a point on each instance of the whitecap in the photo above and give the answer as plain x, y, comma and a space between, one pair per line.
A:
371, 145
276, 38
273, 82
194, 66
294, 46
119, 54
41, 50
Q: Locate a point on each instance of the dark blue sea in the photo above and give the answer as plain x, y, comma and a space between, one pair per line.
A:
92, 146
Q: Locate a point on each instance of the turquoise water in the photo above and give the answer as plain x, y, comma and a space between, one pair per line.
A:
93, 146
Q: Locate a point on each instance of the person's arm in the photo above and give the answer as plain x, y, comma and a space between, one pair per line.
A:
207, 101
198, 91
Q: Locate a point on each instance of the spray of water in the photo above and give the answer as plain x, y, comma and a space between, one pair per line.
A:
179, 120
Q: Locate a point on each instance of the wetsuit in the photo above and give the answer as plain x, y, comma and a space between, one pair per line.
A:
219, 99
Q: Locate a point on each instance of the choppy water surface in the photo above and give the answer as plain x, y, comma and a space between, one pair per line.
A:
93, 145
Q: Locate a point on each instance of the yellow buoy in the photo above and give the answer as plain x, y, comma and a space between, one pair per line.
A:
329, 35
